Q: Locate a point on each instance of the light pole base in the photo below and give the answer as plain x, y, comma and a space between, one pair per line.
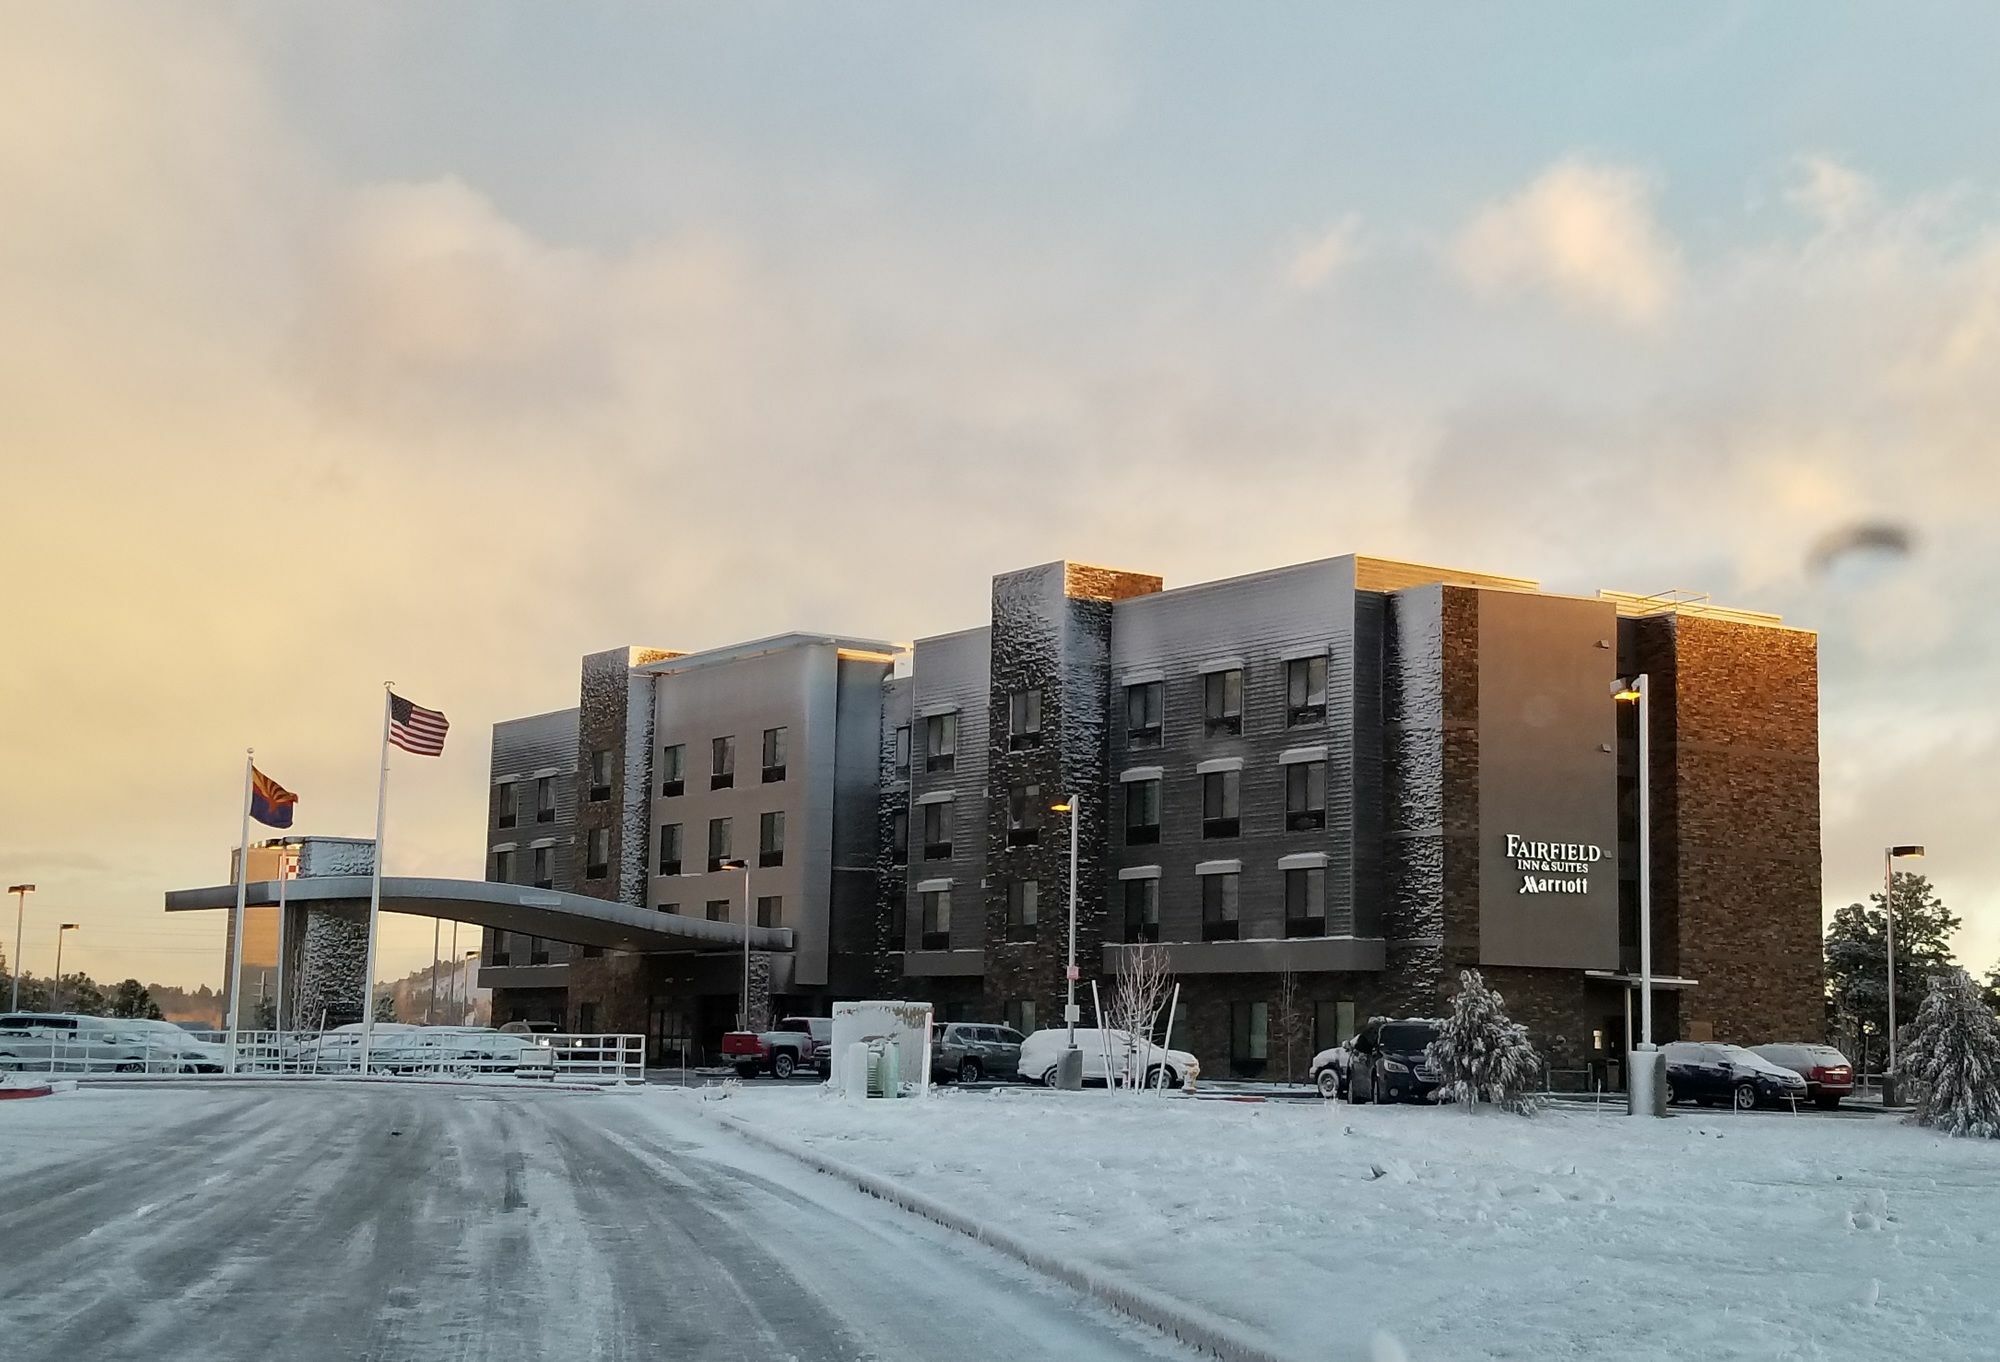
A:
1069, 1070
1646, 1086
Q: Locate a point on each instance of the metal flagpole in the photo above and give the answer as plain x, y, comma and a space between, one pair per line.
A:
375, 890
437, 927
235, 980
284, 874
456, 965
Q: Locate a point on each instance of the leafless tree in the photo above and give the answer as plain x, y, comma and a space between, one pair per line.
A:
1288, 1006
1137, 1000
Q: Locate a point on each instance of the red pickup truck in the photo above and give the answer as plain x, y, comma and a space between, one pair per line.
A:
795, 1043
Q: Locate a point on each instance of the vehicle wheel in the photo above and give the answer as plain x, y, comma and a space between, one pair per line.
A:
1153, 1077
1329, 1083
1672, 1096
1746, 1096
746, 1070
970, 1072
1049, 1078
9, 1064
131, 1066
783, 1063
1826, 1101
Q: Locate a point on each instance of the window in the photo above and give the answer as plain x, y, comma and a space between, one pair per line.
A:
1023, 909
545, 799
771, 839
538, 951
600, 774
1218, 907
673, 769
1249, 1038
1305, 902
903, 750
899, 837
1221, 799
1142, 910
774, 755
1145, 711
1024, 815
1019, 1013
503, 866
503, 800
899, 918
1333, 1022
770, 910
937, 920
1222, 701
1024, 719
499, 953
670, 849
1142, 812
937, 831
940, 742
718, 910
598, 863
543, 859
1305, 690
1305, 795
721, 763
721, 842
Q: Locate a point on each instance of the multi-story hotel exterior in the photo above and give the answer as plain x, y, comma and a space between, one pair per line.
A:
1322, 789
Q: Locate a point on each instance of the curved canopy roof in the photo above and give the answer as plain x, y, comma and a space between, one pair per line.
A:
508, 907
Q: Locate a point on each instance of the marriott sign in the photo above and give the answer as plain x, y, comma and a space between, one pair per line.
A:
1553, 867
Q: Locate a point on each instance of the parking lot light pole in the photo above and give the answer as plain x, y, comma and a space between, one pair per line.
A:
1890, 855
465, 982
1644, 1086
20, 893
743, 864
1069, 1064
55, 988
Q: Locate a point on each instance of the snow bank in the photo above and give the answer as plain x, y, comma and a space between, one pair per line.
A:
1460, 1235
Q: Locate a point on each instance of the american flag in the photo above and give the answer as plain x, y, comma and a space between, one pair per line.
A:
416, 729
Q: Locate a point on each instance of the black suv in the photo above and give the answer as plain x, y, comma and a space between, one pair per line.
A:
1389, 1063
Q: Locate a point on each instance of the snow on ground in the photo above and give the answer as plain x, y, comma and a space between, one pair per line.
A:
1572, 1234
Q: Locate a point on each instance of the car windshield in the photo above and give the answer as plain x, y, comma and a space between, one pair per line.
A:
1407, 1036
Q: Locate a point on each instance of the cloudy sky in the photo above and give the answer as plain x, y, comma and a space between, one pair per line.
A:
446, 343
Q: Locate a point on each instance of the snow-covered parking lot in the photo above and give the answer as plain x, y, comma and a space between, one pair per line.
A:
1570, 1235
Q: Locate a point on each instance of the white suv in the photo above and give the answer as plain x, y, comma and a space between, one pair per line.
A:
1040, 1050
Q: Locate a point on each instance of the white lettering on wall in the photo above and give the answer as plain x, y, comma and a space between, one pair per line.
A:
1553, 867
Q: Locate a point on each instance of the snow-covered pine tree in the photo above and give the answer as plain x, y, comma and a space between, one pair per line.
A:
1482, 1055
1951, 1057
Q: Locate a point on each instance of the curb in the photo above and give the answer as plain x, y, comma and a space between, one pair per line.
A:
1207, 1333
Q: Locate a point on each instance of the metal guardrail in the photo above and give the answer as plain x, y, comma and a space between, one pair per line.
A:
423, 1053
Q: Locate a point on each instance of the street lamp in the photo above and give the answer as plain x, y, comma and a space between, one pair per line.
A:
1069, 1064
56, 987
465, 978
20, 893
743, 864
1890, 855
1643, 1086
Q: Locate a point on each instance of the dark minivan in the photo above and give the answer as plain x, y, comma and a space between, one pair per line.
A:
1389, 1063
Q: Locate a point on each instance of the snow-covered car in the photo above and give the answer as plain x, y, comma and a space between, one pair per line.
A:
69, 1042
1329, 1069
456, 1050
1390, 1064
1040, 1051
340, 1049
1828, 1073
1706, 1073
170, 1049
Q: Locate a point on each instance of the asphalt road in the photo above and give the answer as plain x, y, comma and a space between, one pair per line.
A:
384, 1222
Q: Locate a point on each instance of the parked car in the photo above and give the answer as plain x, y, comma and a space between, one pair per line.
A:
1828, 1073
1707, 1073
1389, 1063
532, 1028
458, 1050
69, 1042
793, 1044
1330, 1068
1037, 1063
970, 1051
170, 1049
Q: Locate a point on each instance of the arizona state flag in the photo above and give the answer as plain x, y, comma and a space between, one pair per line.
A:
270, 803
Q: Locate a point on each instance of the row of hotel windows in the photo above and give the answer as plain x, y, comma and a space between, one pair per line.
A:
1305, 909
722, 762
508, 801
770, 909
1145, 713
1221, 811
722, 843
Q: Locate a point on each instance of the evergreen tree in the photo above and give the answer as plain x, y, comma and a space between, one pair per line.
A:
1951, 1056
131, 999
1991, 991
1857, 954
1482, 1055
